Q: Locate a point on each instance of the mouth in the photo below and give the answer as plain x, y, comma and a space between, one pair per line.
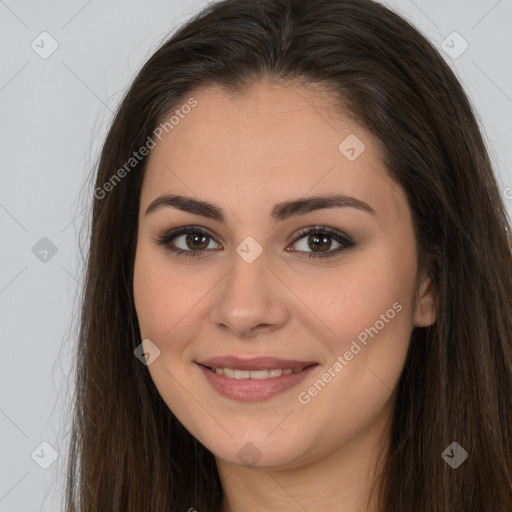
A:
236, 373
253, 380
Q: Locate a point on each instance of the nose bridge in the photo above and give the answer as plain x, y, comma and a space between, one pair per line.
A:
248, 297
246, 281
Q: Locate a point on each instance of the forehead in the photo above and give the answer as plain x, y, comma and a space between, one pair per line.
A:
269, 140
256, 122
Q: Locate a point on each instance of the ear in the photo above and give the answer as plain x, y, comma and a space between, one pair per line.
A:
425, 313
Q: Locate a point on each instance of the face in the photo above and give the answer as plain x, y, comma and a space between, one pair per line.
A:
255, 282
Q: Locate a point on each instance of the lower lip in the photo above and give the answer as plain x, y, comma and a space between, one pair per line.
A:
253, 390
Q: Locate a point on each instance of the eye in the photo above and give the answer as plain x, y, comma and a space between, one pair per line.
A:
195, 241
320, 239
193, 236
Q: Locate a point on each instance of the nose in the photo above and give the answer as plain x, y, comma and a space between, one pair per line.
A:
251, 299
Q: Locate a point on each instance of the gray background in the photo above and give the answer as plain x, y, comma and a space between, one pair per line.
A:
54, 114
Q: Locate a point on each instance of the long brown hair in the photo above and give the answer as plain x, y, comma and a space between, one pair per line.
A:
128, 452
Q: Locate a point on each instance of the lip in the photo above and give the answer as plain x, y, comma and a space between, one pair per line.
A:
255, 363
254, 390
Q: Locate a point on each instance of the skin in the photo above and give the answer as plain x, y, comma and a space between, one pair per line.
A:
245, 153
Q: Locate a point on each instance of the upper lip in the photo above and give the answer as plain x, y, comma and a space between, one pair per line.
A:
256, 363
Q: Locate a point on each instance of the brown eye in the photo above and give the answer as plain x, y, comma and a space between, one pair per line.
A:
194, 241
319, 239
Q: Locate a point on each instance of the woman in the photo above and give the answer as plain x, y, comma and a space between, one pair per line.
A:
299, 287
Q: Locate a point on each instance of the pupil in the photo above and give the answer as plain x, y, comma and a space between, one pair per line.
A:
316, 238
193, 239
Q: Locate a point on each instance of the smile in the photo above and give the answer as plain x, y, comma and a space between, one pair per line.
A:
246, 385
255, 374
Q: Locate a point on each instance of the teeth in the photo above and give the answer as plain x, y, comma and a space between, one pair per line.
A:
260, 374
255, 374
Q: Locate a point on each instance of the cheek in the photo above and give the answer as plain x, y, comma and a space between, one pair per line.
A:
147, 291
385, 310
164, 304
166, 296
352, 298
368, 309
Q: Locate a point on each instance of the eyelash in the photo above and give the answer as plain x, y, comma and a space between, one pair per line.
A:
344, 240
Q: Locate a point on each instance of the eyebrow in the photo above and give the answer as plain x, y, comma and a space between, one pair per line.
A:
280, 211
